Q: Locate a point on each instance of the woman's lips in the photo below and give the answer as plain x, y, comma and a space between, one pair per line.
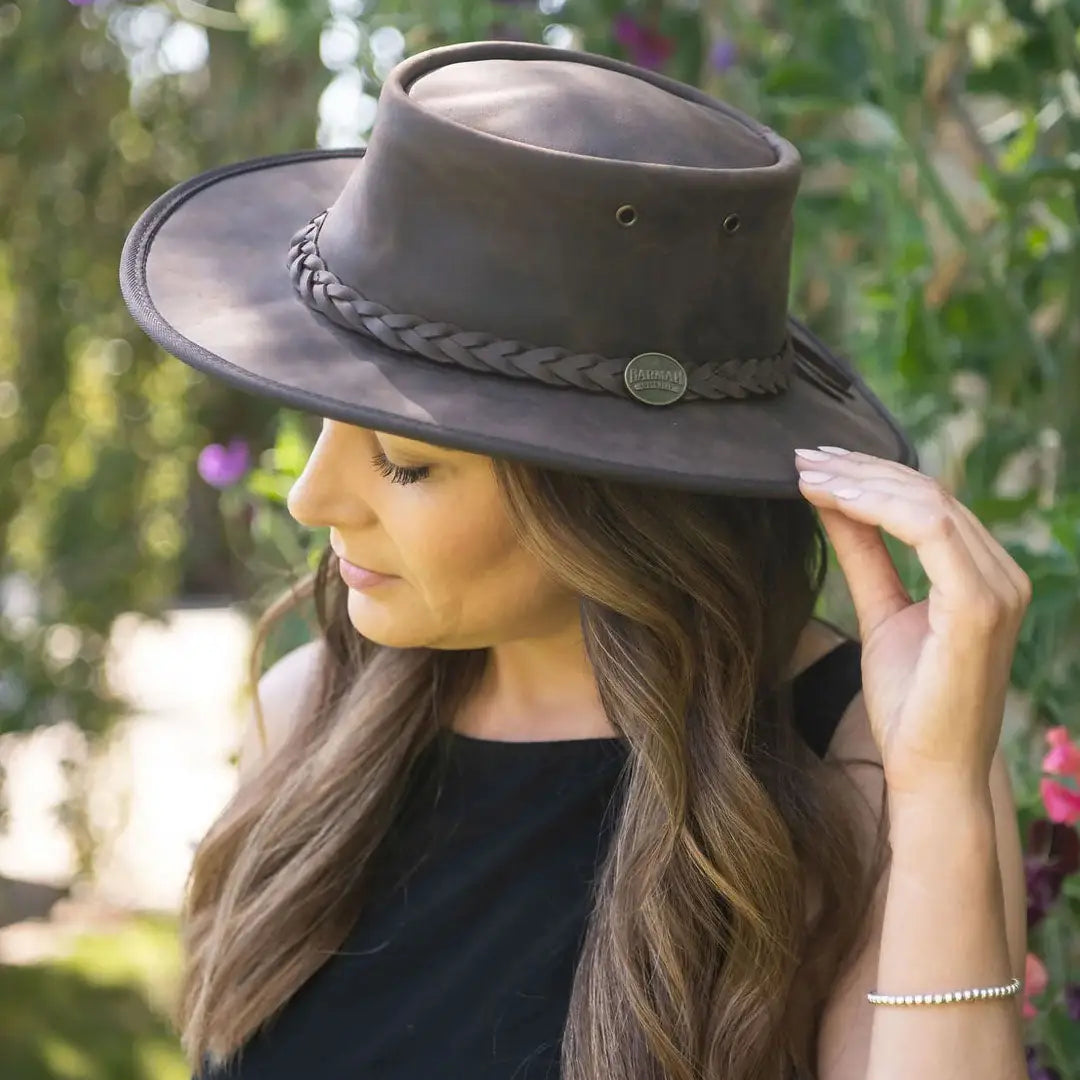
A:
356, 577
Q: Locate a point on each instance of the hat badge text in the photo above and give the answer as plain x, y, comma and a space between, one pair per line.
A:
655, 378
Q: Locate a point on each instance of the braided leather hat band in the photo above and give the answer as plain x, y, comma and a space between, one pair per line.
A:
323, 291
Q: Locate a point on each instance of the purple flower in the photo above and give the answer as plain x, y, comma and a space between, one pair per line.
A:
1041, 893
723, 54
645, 46
221, 466
1043, 1072
1053, 853
1072, 1001
1037, 1071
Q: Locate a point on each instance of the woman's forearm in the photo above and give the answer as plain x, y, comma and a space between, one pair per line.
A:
944, 929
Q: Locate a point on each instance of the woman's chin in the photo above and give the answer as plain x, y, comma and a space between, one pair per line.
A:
375, 620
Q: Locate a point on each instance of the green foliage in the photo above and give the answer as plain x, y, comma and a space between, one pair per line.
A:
99, 1013
99, 430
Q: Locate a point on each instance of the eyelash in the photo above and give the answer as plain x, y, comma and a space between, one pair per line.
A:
399, 474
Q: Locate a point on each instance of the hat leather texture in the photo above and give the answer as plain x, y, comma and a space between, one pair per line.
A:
482, 220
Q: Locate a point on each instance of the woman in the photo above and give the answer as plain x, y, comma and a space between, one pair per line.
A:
574, 785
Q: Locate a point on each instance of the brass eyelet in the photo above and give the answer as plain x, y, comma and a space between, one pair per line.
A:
732, 223
626, 215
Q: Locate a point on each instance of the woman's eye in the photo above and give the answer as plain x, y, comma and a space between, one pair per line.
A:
399, 474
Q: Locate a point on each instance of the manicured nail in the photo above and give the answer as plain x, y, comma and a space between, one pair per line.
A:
812, 455
834, 449
812, 476
847, 493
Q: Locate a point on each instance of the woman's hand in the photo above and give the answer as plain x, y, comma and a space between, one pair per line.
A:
935, 673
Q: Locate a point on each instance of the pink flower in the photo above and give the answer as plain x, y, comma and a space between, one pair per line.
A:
1062, 803
1063, 757
1034, 983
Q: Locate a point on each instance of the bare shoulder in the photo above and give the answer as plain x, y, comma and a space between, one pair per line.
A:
283, 691
818, 638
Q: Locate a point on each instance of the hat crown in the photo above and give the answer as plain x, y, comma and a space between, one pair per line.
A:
569, 200
594, 111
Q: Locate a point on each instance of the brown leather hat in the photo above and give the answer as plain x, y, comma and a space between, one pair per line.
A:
542, 253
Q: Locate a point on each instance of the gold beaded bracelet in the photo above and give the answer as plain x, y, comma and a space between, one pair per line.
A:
978, 993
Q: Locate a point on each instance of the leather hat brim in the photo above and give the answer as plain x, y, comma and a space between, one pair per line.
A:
204, 274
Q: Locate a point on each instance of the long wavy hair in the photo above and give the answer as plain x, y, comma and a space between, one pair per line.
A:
733, 893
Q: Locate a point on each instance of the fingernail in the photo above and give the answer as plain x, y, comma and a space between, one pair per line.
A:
812, 476
834, 449
847, 493
812, 455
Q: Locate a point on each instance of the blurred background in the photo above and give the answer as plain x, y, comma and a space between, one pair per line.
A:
142, 523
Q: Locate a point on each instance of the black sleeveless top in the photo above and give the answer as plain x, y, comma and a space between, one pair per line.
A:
461, 963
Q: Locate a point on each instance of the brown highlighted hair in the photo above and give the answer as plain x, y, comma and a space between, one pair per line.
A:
732, 895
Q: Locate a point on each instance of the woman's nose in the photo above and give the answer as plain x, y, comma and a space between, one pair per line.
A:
328, 492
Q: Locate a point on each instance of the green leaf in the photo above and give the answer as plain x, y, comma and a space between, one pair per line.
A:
291, 448
803, 78
269, 485
1022, 146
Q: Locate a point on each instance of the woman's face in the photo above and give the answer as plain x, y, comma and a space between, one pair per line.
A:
432, 517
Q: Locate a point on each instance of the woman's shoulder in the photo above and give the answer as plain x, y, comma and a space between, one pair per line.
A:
283, 692
818, 639
827, 678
